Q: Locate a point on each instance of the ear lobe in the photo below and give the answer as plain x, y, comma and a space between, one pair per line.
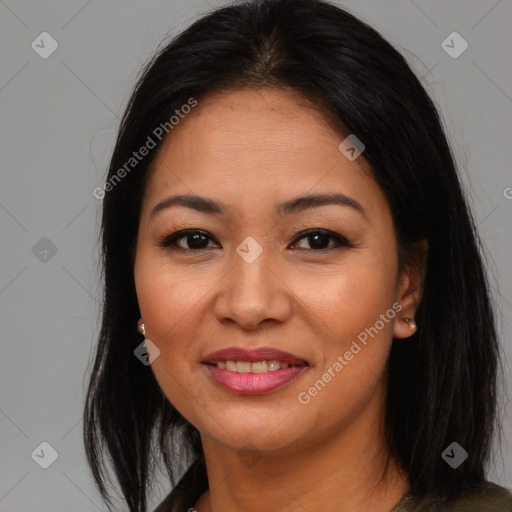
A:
410, 289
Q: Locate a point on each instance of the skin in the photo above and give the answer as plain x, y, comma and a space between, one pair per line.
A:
252, 150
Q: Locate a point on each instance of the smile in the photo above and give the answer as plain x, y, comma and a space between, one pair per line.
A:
253, 371
256, 367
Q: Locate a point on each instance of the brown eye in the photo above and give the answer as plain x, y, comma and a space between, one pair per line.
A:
319, 239
196, 240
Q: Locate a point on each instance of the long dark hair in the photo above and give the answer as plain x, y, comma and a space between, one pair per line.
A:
442, 380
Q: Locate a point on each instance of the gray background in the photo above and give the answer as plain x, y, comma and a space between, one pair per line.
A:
59, 119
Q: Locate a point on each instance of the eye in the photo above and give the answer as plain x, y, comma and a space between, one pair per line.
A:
319, 239
195, 238
198, 240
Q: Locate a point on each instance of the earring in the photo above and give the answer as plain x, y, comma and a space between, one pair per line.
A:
140, 327
411, 322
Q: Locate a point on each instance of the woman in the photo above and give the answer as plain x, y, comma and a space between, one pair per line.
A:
284, 225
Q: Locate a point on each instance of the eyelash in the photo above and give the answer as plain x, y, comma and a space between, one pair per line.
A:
169, 241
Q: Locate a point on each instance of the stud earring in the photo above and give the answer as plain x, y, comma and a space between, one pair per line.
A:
411, 322
140, 327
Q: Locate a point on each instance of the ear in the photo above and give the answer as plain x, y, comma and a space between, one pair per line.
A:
410, 289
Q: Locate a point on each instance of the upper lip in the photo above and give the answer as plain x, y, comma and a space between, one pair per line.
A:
253, 355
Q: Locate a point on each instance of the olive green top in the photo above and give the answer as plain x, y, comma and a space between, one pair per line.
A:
486, 497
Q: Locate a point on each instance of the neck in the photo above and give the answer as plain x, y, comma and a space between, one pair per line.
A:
347, 472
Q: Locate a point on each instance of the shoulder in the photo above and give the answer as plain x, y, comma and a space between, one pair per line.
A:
482, 497
176, 503
188, 490
486, 496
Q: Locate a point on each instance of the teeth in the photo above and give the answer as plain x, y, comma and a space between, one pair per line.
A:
259, 367
248, 367
273, 365
243, 366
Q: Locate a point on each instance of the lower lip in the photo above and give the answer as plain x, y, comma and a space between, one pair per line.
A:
254, 383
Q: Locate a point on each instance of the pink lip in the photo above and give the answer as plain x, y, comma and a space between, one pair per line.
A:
253, 383
253, 355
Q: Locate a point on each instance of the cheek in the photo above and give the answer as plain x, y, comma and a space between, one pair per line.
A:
348, 301
167, 294
353, 318
165, 313
170, 302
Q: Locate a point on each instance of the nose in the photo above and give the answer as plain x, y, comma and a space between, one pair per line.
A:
252, 294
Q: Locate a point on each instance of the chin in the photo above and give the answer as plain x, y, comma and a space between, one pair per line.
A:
259, 435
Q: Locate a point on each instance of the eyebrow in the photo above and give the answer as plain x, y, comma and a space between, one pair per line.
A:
298, 204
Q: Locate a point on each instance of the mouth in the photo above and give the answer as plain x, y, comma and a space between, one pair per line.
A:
255, 371
255, 367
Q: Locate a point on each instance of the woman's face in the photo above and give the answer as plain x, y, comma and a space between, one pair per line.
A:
251, 279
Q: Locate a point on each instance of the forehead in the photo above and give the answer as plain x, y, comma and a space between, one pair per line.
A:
254, 145
264, 120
